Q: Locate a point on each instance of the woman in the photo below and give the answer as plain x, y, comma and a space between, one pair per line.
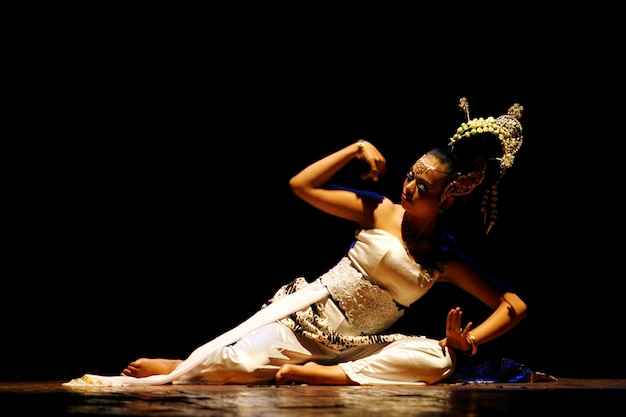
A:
332, 331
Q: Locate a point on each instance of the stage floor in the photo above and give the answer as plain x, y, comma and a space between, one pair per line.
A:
565, 396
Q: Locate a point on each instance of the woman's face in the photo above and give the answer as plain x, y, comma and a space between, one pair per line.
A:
423, 185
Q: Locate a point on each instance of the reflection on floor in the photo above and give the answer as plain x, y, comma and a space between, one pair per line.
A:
488, 399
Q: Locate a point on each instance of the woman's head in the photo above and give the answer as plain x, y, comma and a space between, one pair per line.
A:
477, 157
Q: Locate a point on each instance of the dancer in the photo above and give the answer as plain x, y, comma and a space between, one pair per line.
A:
333, 330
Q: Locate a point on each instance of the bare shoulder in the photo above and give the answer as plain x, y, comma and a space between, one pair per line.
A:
388, 216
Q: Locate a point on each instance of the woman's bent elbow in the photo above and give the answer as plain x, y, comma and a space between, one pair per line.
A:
517, 307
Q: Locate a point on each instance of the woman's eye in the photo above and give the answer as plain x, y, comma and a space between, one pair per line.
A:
410, 176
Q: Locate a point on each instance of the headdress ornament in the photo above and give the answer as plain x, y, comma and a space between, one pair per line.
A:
508, 129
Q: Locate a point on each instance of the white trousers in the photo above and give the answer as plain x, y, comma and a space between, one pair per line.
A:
256, 358
253, 351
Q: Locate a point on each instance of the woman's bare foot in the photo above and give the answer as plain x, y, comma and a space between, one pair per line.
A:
314, 374
144, 367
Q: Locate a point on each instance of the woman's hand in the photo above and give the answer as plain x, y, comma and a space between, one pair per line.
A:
457, 337
370, 154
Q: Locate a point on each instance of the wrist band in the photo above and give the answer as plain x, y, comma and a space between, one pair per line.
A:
474, 347
359, 152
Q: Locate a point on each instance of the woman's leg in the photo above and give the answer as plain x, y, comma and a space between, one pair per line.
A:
253, 359
414, 361
313, 374
144, 367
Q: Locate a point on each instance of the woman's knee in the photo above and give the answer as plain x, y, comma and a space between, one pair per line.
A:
425, 359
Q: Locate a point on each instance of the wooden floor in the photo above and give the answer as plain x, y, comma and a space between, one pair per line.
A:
563, 397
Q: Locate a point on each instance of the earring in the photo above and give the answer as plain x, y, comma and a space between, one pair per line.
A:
490, 210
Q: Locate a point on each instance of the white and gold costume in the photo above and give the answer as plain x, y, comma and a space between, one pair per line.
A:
340, 318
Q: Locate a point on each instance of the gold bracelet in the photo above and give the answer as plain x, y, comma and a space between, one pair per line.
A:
474, 347
359, 152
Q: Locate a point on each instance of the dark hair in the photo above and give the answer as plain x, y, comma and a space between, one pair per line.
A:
466, 215
461, 158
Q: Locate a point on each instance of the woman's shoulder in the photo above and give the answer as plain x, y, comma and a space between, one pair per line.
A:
388, 216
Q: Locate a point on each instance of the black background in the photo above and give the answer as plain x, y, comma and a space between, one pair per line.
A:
148, 198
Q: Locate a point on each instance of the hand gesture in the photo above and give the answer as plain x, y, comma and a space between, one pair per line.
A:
456, 335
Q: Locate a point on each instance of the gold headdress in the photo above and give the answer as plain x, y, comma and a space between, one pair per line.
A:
508, 129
